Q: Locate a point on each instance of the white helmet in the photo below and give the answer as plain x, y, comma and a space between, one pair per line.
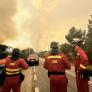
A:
76, 41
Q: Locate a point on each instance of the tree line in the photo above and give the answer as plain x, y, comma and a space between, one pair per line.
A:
86, 41
84, 35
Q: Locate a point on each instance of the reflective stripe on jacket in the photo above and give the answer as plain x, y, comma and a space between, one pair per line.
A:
12, 71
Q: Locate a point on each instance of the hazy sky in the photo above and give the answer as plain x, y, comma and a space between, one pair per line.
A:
7, 11
35, 23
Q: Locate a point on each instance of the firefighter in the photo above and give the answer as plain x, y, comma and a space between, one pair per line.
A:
2, 65
2, 76
56, 63
3, 55
81, 61
12, 71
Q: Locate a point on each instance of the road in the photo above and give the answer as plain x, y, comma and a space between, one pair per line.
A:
27, 83
71, 74
36, 80
41, 80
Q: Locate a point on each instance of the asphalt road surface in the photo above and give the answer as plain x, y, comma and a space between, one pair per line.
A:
27, 83
36, 80
41, 80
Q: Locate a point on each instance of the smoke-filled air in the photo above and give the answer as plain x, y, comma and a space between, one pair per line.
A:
7, 26
35, 23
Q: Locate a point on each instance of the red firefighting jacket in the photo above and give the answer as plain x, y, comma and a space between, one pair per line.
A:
81, 59
2, 61
56, 63
13, 67
2, 65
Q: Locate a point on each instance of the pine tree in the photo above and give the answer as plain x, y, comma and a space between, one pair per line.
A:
75, 33
88, 41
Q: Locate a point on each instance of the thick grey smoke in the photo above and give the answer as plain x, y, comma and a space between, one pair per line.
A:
7, 11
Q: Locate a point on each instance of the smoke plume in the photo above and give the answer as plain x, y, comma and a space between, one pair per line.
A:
7, 11
38, 22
